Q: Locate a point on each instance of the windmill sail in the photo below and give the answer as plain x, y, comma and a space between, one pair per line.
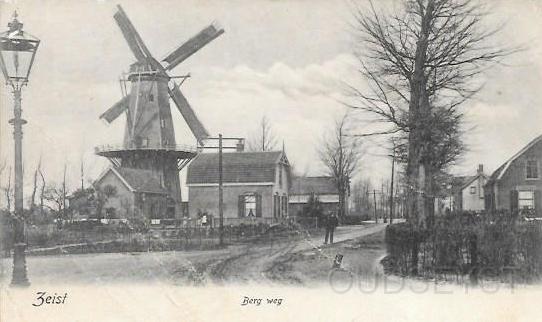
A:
114, 111
193, 45
188, 114
133, 39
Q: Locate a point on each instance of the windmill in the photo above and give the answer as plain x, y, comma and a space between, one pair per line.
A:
149, 137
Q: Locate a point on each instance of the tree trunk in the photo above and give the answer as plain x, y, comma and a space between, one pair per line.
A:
429, 202
419, 109
342, 202
33, 198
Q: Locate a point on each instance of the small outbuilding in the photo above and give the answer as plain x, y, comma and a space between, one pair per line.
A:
324, 189
129, 193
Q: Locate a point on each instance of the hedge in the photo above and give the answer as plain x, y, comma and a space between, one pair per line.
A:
488, 245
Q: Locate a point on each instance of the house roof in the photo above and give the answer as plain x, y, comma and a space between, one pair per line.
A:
497, 174
459, 182
137, 180
237, 167
465, 181
317, 185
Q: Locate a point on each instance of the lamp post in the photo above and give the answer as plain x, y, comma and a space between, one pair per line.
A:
17, 52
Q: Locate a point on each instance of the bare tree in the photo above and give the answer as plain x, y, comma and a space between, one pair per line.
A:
264, 138
34, 188
421, 64
2, 167
64, 192
54, 197
340, 154
42, 192
8, 191
361, 199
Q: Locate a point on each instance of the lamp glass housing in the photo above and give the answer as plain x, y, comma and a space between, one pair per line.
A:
17, 52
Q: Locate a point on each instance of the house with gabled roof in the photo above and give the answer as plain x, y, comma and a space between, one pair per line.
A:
255, 185
517, 183
470, 191
463, 193
134, 192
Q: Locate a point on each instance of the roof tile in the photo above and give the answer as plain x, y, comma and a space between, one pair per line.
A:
238, 167
318, 185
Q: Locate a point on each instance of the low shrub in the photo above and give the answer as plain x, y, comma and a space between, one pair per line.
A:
489, 245
400, 240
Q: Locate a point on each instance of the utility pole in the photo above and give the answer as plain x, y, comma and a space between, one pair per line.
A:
221, 147
383, 203
374, 198
376, 204
82, 176
391, 185
220, 192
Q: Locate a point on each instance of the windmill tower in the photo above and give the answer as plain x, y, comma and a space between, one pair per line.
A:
149, 137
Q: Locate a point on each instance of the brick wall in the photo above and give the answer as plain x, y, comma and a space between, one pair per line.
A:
515, 179
205, 199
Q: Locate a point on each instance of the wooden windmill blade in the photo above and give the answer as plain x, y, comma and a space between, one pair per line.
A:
133, 39
193, 45
188, 114
114, 111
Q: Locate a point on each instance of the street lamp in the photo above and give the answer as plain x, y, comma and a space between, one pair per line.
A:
17, 52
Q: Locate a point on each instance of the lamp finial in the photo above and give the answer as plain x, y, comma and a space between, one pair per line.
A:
15, 24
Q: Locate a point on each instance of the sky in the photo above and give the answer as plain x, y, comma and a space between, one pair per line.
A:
286, 60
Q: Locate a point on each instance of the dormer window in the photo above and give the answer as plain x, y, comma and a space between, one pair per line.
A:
532, 169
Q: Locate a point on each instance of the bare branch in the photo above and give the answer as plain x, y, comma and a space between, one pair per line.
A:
264, 139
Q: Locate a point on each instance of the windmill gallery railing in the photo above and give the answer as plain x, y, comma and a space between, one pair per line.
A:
148, 147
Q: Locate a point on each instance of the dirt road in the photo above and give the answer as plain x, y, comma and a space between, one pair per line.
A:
265, 264
237, 263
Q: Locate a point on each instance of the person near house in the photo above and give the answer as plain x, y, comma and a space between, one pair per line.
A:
331, 223
204, 224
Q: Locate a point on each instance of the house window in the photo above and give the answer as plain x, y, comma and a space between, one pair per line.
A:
472, 190
526, 199
250, 205
532, 169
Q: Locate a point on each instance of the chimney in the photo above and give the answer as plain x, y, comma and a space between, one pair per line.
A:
480, 169
240, 147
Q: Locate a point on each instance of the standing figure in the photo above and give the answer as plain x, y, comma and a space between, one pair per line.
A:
331, 223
